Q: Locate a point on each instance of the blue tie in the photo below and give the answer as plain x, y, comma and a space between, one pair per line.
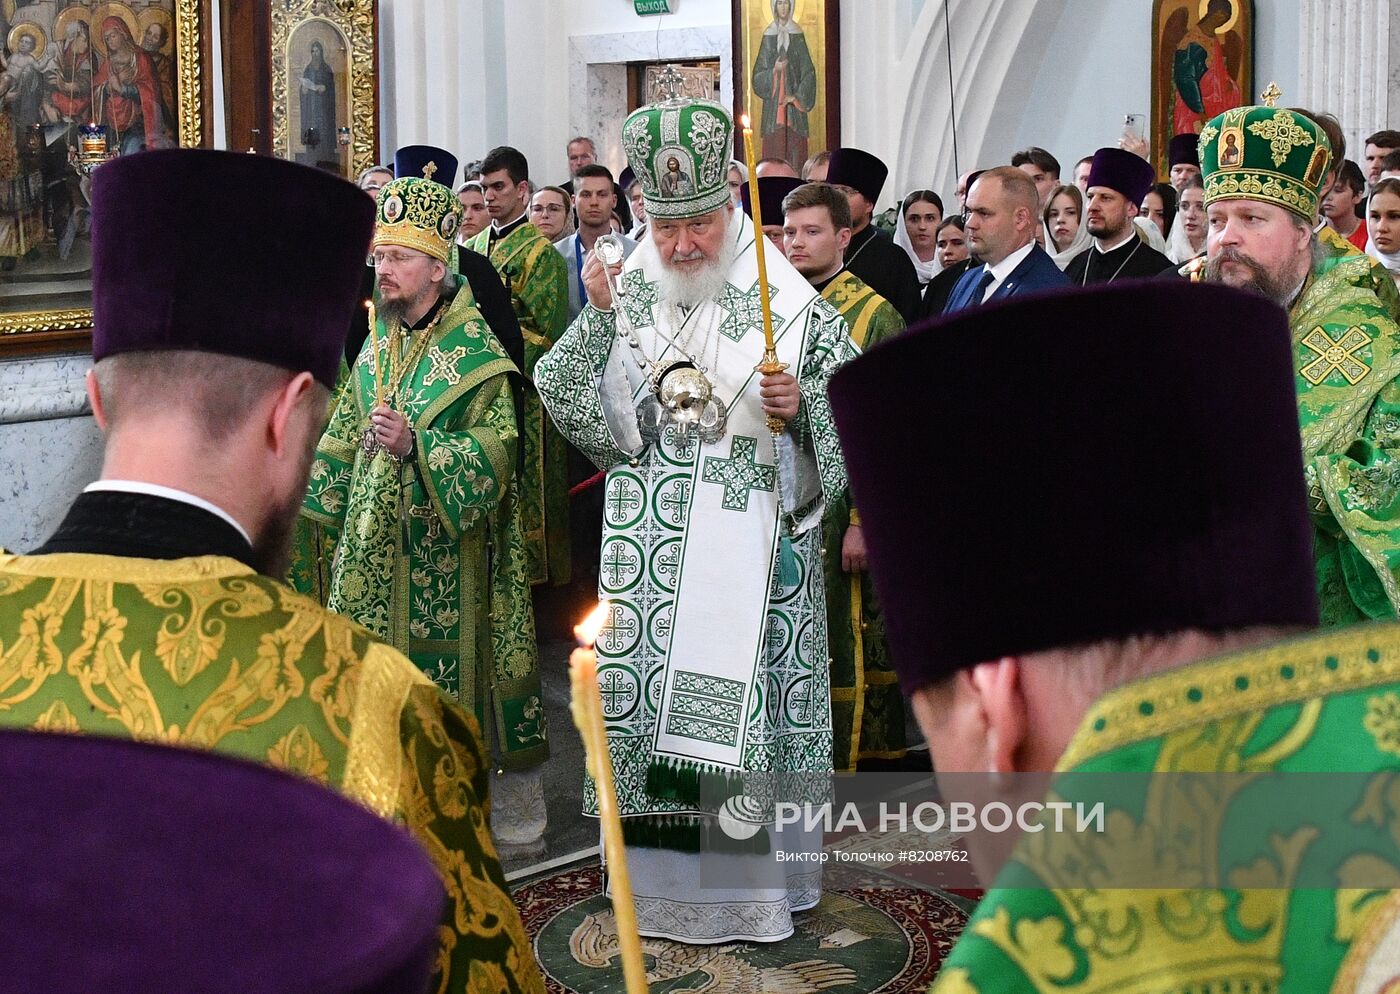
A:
987, 280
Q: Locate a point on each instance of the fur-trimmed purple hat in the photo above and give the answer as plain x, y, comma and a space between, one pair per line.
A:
134, 867
1181, 151
243, 255
771, 191
1129, 174
1068, 500
859, 170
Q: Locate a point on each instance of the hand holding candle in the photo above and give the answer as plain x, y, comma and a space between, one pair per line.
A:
587, 708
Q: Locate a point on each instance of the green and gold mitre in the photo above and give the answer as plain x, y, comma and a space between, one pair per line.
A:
679, 150
419, 214
1265, 153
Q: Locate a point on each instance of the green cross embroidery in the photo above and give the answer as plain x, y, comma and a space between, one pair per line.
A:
638, 297
617, 692
444, 366
1339, 356
674, 502
623, 500
618, 564
740, 473
1283, 134
618, 630
744, 311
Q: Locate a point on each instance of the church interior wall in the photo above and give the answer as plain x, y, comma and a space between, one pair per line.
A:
470, 74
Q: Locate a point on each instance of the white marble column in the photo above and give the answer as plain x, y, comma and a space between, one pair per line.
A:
1345, 65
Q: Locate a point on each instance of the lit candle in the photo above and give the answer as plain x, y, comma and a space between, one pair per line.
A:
770, 364
587, 708
758, 238
374, 355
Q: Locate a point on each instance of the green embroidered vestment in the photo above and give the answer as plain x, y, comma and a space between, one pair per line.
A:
538, 280
867, 708
1347, 358
1327, 702
431, 556
205, 654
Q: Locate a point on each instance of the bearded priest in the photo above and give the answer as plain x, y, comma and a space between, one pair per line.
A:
713, 662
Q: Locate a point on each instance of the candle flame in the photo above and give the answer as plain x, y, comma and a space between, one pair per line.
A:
586, 631
369, 304
744, 121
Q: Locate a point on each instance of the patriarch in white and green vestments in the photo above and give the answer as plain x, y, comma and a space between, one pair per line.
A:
713, 664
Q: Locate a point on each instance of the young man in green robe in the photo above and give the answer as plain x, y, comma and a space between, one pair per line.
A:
155, 612
1261, 209
867, 709
538, 281
417, 474
1038, 624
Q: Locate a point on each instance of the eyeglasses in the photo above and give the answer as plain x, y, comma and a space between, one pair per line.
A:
546, 209
381, 259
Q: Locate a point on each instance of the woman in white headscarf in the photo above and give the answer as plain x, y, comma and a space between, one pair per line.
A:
738, 176
1066, 234
1383, 226
916, 231
1150, 234
1188, 238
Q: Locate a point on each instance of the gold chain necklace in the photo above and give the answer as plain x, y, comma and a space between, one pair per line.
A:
398, 376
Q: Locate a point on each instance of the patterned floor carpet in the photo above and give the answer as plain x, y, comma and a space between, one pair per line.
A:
859, 940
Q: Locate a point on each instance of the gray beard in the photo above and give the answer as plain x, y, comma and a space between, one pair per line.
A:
1281, 290
690, 289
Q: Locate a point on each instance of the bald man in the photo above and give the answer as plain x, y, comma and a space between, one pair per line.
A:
1002, 209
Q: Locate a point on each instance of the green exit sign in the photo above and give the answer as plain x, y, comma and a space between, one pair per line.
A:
646, 7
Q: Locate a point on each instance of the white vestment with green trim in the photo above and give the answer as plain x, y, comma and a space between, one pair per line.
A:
713, 662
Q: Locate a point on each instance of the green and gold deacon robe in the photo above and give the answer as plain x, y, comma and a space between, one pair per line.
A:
538, 280
1346, 359
1277, 905
431, 556
867, 709
204, 653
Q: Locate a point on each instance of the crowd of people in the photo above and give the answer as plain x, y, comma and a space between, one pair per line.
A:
1085, 516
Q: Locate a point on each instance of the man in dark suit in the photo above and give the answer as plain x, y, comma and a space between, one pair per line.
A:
1002, 212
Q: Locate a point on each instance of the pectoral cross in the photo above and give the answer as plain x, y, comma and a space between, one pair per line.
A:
1271, 95
429, 169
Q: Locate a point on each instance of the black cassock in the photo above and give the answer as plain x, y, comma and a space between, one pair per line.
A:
1134, 260
885, 267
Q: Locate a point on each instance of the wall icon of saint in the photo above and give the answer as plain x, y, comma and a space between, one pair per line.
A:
1200, 71
785, 80
318, 120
